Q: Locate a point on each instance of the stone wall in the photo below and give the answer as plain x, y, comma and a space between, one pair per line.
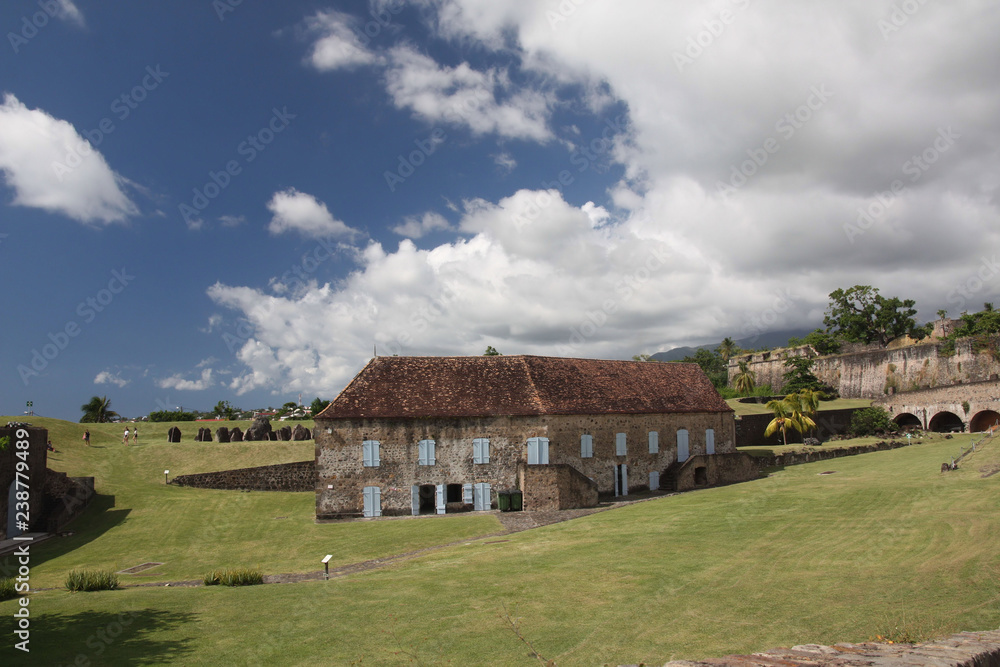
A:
342, 475
976, 404
719, 470
750, 428
557, 487
30, 443
875, 372
823, 454
298, 476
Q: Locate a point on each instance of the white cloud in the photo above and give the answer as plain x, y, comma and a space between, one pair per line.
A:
51, 167
505, 161
232, 220
69, 12
464, 96
178, 382
417, 227
107, 377
338, 46
303, 213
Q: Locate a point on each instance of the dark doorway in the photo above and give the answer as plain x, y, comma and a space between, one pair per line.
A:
427, 504
983, 421
907, 421
701, 476
454, 493
946, 422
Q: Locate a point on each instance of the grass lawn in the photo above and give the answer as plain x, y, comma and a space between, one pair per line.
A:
761, 408
884, 544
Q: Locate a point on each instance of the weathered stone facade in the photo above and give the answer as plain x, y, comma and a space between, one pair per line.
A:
750, 428
974, 406
298, 476
557, 487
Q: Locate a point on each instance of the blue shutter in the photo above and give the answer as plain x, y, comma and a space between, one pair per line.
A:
482, 499
654, 480
586, 446
369, 453
426, 453
682, 445
620, 446
481, 450
376, 460
372, 501
431, 452
617, 486
709, 441
485, 450
624, 480
440, 498
467, 494
532, 451
654, 442
415, 500
543, 450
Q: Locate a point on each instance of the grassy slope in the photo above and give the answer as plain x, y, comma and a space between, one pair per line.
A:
194, 530
887, 541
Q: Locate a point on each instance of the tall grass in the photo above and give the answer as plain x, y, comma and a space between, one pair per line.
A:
7, 591
92, 580
237, 576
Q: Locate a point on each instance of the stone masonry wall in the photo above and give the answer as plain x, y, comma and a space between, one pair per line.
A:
557, 487
342, 475
976, 404
298, 476
750, 428
876, 372
32, 466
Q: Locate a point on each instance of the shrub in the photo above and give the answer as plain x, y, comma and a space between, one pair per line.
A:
237, 576
7, 591
92, 580
872, 421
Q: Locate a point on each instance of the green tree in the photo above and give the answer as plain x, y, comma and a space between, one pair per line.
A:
224, 409
491, 352
809, 399
711, 362
799, 375
642, 357
942, 314
285, 409
871, 421
821, 341
317, 406
745, 381
861, 315
788, 413
97, 411
727, 348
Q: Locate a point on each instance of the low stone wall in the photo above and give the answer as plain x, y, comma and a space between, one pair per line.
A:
822, 454
557, 487
65, 498
965, 649
750, 428
298, 476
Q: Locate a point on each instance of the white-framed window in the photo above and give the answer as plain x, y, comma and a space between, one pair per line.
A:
370, 453
481, 450
372, 501
709, 440
538, 451
425, 452
621, 448
654, 442
682, 445
586, 446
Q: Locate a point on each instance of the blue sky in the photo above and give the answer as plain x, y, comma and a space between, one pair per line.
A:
207, 201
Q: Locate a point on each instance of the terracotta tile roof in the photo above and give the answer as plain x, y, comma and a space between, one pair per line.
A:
521, 385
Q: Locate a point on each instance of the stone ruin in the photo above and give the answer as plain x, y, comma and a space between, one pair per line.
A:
236, 435
300, 432
285, 433
260, 430
174, 434
222, 434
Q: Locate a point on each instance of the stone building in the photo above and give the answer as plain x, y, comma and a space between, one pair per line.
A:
413, 435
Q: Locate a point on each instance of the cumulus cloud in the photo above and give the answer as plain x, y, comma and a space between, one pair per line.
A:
179, 382
232, 220
50, 166
68, 11
107, 377
337, 45
300, 212
417, 227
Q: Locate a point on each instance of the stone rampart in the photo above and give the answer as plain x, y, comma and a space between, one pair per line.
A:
557, 487
750, 428
298, 476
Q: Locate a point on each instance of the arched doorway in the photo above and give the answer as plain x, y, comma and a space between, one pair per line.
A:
907, 421
984, 420
946, 422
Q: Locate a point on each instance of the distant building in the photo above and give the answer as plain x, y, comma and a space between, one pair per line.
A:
412, 435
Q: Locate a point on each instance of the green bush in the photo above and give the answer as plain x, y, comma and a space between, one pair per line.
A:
92, 580
237, 576
7, 591
872, 421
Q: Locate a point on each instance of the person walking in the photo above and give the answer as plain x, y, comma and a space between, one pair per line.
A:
135, 435
125, 436
86, 436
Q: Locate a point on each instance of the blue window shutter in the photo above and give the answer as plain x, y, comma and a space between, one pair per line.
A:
372, 501
431, 453
422, 453
618, 490
532, 451
620, 446
377, 503
543, 450
440, 498
486, 450
654, 480
415, 499
586, 446
366, 453
682, 445
482, 499
487, 497
624, 480
481, 450
467, 494
654, 442
709, 441
376, 461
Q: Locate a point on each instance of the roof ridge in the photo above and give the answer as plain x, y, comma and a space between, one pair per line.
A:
346, 387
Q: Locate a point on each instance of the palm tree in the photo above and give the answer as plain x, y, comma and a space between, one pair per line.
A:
97, 410
745, 381
788, 413
799, 410
810, 399
726, 348
781, 421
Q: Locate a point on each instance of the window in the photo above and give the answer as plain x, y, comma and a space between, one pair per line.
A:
586, 446
654, 480
538, 451
481, 496
481, 450
709, 441
372, 501
654, 442
620, 447
682, 445
425, 453
468, 497
369, 449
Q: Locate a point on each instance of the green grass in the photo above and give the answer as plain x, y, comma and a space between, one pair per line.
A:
237, 576
92, 580
761, 408
886, 543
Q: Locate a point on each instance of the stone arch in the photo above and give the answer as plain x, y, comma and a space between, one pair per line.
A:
946, 422
907, 420
983, 420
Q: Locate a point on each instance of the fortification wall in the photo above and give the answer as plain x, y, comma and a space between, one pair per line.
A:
298, 476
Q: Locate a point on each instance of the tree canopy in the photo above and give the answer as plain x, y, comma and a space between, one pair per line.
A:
860, 314
97, 411
491, 352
